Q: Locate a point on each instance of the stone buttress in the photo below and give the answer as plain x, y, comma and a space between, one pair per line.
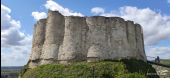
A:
53, 37
37, 42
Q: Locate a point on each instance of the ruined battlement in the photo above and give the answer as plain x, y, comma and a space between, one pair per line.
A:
66, 39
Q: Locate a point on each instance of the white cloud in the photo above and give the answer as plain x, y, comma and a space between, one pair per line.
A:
111, 14
5, 24
15, 56
11, 34
97, 10
39, 15
15, 45
162, 52
52, 5
168, 1
156, 26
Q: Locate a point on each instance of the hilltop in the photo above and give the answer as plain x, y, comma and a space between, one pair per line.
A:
101, 69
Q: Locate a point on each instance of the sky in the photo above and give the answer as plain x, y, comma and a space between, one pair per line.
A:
19, 16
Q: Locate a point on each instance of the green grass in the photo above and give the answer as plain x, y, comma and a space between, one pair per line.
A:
102, 69
165, 61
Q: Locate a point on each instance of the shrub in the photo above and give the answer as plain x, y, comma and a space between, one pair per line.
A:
102, 69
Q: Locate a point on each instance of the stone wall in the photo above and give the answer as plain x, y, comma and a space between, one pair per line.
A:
53, 37
37, 42
66, 39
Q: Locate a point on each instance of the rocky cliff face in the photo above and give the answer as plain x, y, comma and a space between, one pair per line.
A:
65, 39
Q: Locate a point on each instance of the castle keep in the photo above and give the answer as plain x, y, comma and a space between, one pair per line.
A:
66, 39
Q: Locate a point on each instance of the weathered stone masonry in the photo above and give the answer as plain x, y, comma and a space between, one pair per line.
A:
65, 39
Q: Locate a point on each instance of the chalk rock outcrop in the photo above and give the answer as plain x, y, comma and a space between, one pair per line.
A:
66, 39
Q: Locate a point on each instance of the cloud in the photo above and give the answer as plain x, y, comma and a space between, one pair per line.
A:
39, 15
5, 24
162, 52
15, 45
11, 34
168, 1
54, 6
97, 10
155, 25
16, 57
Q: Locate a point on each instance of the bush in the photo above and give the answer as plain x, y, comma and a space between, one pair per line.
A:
102, 69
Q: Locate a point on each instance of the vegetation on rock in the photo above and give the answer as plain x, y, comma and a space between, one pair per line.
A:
101, 69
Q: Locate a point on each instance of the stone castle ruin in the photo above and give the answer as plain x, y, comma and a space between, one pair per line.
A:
66, 39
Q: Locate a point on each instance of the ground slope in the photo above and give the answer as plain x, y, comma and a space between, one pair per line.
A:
102, 69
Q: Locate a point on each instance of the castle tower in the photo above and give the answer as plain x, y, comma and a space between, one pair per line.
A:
38, 41
66, 39
118, 38
73, 48
140, 43
53, 37
97, 38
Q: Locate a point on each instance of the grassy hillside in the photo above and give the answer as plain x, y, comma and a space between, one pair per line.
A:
103, 69
165, 61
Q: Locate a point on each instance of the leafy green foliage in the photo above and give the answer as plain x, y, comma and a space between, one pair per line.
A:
23, 70
102, 69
